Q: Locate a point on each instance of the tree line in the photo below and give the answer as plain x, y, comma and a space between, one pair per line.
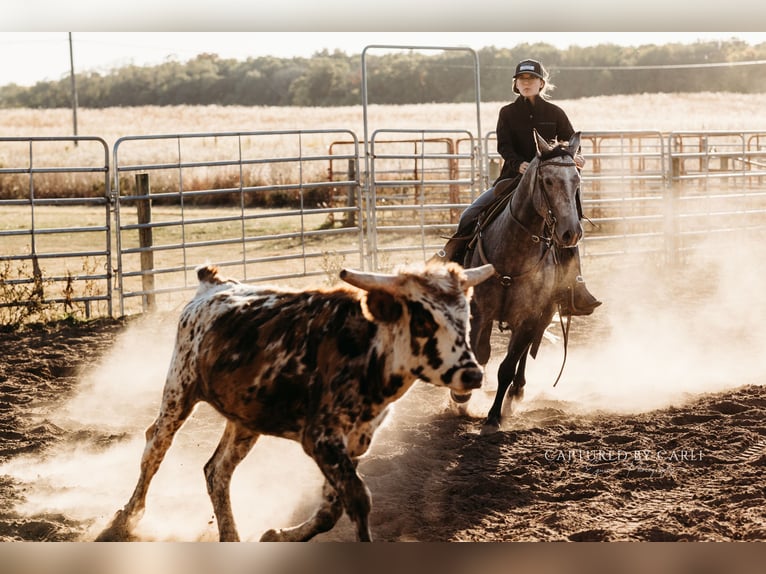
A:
407, 77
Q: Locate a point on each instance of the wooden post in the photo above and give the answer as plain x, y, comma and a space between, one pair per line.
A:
454, 174
350, 219
144, 213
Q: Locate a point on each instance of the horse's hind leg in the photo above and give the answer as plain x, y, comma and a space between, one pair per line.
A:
480, 339
480, 344
516, 391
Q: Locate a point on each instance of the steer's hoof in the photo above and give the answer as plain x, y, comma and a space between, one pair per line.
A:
117, 531
271, 536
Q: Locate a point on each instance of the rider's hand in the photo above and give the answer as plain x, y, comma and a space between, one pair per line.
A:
523, 167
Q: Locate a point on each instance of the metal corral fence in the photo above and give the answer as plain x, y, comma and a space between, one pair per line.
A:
260, 204
55, 228
291, 205
654, 194
623, 192
716, 186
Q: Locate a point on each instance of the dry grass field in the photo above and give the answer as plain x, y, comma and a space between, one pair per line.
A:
655, 112
662, 112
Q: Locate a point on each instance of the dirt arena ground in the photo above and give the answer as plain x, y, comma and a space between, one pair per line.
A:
657, 432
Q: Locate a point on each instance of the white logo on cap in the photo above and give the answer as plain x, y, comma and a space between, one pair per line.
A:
527, 67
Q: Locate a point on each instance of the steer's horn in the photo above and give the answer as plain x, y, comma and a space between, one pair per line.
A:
476, 275
368, 281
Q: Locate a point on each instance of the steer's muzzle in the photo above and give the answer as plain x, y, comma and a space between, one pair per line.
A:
471, 378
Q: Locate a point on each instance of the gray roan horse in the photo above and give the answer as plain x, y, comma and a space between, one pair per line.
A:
521, 242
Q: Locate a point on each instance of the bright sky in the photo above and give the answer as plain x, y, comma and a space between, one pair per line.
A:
28, 57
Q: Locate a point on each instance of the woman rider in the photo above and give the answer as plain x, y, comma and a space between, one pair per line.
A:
516, 144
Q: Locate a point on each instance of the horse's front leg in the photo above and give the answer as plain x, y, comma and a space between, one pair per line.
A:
513, 363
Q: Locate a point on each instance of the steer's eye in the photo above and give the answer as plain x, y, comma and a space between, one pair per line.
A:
422, 323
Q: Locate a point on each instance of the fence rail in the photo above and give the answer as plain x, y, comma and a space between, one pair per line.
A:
296, 204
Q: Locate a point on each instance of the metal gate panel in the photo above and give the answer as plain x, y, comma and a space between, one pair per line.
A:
55, 227
717, 185
262, 203
419, 183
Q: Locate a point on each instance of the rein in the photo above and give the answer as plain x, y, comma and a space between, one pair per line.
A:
565, 334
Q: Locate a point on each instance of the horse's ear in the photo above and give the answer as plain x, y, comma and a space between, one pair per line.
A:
574, 142
541, 145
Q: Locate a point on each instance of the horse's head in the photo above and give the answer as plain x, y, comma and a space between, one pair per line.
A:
555, 181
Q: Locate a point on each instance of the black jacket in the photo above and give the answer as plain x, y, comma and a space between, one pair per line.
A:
515, 141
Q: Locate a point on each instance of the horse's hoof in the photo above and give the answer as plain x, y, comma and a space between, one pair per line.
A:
489, 428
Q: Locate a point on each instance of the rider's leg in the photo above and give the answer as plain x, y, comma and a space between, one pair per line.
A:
455, 248
575, 297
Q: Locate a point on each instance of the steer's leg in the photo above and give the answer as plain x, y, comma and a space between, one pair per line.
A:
234, 446
323, 520
343, 490
339, 469
174, 411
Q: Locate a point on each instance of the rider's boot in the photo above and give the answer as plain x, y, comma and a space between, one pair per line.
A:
574, 297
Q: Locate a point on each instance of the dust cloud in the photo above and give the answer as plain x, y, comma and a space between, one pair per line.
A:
664, 334
91, 478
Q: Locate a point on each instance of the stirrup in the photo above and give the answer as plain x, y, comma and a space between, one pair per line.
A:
438, 257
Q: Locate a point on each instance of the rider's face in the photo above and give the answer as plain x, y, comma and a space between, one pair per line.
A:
528, 85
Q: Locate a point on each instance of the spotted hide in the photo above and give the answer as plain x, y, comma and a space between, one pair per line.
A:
319, 367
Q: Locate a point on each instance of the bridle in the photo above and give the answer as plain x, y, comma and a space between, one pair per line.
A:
549, 219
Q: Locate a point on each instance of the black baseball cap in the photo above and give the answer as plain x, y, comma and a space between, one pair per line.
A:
532, 67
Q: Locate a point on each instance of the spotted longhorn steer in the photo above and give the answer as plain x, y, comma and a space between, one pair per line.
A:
319, 367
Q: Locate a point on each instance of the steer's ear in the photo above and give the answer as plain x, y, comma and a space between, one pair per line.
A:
383, 306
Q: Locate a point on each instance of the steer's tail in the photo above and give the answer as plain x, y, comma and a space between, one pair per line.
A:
209, 276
